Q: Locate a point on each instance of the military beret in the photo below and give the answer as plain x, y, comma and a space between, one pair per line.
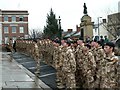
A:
57, 41
88, 46
68, 42
94, 40
99, 42
111, 44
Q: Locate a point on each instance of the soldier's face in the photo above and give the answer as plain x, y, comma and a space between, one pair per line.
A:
65, 45
85, 49
57, 44
107, 49
96, 44
62, 41
79, 42
92, 44
72, 44
75, 44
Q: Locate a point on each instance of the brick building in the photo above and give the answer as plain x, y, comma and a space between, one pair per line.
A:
13, 25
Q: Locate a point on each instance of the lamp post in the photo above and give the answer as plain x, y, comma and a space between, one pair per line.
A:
59, 28
98, 27
33, 34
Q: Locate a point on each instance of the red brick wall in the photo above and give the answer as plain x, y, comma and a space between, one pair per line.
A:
17, 34
17, 19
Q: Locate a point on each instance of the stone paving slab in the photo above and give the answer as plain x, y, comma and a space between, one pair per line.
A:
47, 72
38, 81
22, 84
15, 77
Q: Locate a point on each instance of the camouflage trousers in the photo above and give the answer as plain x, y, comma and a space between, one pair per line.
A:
88, 80
50, 58
105, 83
60, 78
79, 78
70, 80
97, 81
46, 58
37, 64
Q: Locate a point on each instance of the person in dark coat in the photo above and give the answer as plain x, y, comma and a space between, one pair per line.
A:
14, 46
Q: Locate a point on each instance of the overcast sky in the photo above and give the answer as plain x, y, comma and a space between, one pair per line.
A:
70, 11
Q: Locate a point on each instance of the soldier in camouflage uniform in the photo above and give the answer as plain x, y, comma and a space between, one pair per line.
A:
23, 46
118, 74
17, 45
39, 43
45, 53
110, 69
20, 45
28, 47
88, 66
99, 55
73, 47
56, 64
36, 56
31, 48
10, 47
78, 56
69, 67
55, 54
50, 50
60, 74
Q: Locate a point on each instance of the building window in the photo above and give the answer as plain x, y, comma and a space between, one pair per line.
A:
13, 29
21, 29
6, 29
13, 18
21, 18
6, 40
5, 18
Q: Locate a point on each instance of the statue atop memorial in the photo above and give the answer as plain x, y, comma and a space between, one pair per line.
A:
85, 9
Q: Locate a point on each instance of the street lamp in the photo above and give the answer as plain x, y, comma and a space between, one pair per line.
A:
33, 34
60, 32
98, 27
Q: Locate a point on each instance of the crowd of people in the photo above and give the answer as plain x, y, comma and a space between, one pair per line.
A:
78, 64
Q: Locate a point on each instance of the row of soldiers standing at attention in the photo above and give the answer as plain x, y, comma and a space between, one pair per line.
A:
78, 65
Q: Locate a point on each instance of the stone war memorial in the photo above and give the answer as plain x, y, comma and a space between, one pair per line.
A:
86, 25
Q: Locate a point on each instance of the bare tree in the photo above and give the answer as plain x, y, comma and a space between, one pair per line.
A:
35, 33
38, 34
113, 25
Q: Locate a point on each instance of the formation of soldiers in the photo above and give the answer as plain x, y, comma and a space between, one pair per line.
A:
78, 64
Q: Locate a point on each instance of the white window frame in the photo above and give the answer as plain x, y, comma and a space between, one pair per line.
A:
13, 18
12, 29
5, 18
21, 29
6, 29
